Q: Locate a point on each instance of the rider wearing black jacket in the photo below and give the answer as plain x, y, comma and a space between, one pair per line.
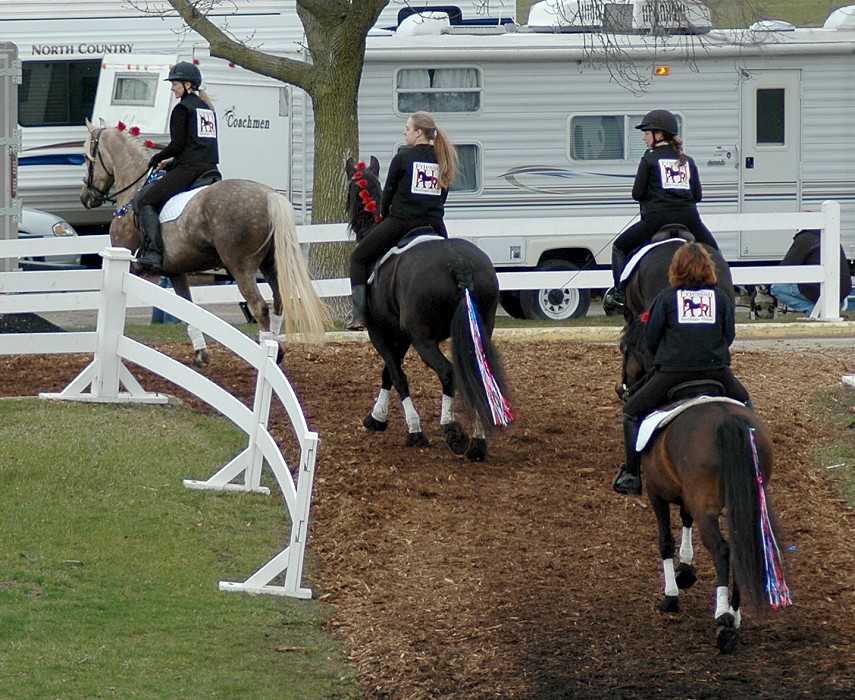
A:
193, 150
688, 332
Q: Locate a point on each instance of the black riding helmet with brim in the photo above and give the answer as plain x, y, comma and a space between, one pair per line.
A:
185, 72
660, 120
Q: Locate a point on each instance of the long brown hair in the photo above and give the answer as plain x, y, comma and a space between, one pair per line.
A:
692, 268
446, 153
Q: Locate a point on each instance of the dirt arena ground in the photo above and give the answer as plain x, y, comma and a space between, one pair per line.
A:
525, 576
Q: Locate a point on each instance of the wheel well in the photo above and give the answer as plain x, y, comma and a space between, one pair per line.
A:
576, 256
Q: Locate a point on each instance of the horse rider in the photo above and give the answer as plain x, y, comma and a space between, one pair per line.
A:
192, 151
689, 332
805, 250
667, 187
414, 196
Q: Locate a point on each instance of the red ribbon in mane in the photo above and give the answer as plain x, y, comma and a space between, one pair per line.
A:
368, 203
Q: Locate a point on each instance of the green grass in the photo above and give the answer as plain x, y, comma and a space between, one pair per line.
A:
110, 566
838, 408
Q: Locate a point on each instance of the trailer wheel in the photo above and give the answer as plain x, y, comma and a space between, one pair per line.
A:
557, 304
510, 302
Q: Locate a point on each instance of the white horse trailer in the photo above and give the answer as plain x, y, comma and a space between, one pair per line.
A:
544, 129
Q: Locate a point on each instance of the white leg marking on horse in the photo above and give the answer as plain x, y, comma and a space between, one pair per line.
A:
381, 406
670, 579
478, 430
447, 414
196, 337
275, 324
722, 602
413, 422
687, 551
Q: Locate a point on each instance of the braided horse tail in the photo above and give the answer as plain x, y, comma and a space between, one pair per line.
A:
478, 372
302, 309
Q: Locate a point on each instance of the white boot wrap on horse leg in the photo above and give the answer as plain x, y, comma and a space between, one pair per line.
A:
722, 601
414, 424
478, 430
447, 410
670, 579
196, 337
687, 551
381, 406
275, 324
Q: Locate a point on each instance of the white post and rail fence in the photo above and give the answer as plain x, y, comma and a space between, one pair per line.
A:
113, 290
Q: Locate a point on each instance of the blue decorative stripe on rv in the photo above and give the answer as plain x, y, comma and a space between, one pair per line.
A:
54, 159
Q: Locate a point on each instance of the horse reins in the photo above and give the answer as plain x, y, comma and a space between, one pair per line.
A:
90, 170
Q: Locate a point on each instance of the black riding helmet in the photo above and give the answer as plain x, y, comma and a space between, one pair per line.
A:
186, 72
660, 120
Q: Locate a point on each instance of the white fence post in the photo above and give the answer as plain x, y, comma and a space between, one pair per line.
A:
827, 306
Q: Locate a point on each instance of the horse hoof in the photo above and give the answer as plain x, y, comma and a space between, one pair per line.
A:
418, 439
372, 423
456, 438
669, 604
725, 635
201, 358
686, 576
477, 451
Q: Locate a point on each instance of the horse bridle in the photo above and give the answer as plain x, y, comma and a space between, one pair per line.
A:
626, 391
91, 158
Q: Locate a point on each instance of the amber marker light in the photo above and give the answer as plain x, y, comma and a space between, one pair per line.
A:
662, 70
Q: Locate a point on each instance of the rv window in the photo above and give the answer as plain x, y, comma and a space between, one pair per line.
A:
469, 171
138, 89
606, 137
57, 93
771, 117
438, 90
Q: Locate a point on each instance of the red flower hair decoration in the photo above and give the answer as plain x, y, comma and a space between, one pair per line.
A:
368, 203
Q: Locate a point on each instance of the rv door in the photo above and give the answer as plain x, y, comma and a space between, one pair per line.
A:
132, 89
769, 173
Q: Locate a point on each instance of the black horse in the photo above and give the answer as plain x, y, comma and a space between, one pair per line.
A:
650, 273
435, 290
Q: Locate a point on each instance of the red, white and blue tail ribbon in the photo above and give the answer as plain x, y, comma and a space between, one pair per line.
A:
776, 587
500, 409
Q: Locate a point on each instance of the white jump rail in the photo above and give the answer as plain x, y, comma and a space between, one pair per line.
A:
107, 379
826, 274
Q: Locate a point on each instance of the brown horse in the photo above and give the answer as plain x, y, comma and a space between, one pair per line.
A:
713, 457
241, 225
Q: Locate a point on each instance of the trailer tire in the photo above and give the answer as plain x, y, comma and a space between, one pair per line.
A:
558, 304
510, 302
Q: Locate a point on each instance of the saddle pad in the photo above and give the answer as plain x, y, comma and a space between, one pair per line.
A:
640, 253
397, 250
661, 418
173, 207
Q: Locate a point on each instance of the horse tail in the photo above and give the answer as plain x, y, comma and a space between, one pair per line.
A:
478, 371
302, 309
754, 555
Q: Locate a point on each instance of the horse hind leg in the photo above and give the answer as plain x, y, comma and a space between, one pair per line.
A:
727, 617
686, 576
670, 602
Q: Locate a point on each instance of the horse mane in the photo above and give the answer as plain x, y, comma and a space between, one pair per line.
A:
632, 336
359, 216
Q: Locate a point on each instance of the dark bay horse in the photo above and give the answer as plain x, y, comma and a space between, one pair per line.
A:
713, 457
241, 225
650, 275
434, 290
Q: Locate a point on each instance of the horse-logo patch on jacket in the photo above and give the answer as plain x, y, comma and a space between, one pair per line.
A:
206, 123
673, 175
695, 306
425, 179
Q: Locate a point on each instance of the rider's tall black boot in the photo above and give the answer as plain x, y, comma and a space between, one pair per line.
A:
628, 480
616, 299
151, 259
358, 296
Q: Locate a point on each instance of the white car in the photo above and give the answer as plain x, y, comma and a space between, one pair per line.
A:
41, 224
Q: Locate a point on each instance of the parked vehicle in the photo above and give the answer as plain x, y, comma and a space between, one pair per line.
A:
41, 224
